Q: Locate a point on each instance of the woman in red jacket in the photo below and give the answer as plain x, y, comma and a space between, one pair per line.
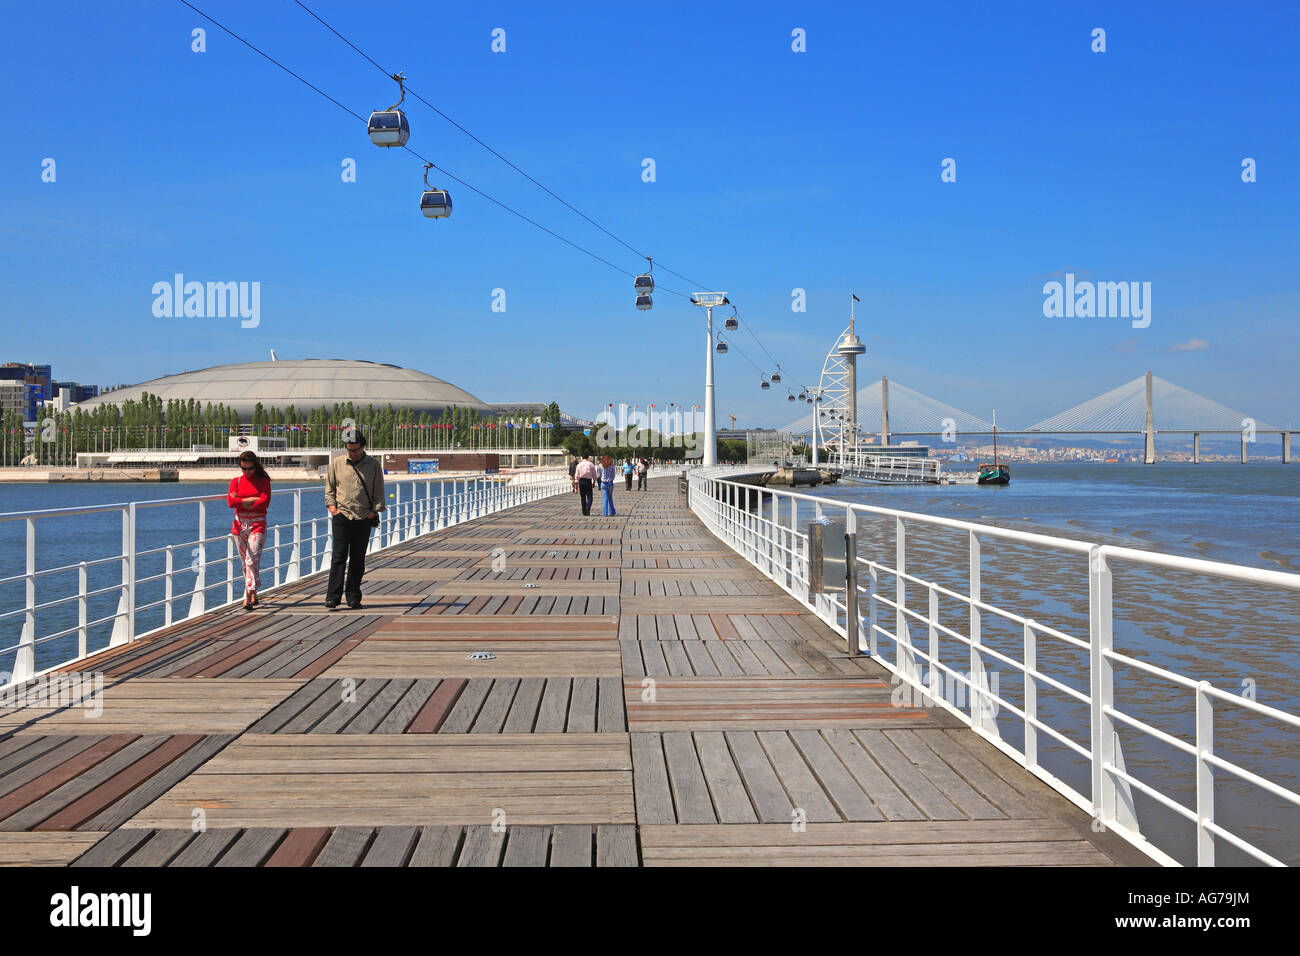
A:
249, 495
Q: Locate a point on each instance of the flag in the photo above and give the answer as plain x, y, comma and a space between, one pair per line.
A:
855, 298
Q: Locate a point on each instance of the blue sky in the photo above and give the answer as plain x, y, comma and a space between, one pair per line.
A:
775, 170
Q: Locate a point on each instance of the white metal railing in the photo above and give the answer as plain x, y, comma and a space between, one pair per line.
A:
417, 505
904, 469
764, 527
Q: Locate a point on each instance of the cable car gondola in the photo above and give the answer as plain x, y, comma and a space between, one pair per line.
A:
722, 347
732, 322
645, 284
776, 376
388, 127
764, 385
434, 203
790, 396
644, 302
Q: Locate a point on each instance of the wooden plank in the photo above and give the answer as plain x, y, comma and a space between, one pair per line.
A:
380, 704
616, 845
253, 847
435, 710
345, 846
437, 846
160, 848
571, 845
114, 848
204, 850
49, 753
300, 847
728, 790
652, 791
527, 846
123, 782
764, 787
582, 706
491, 717
52, 780
610, 714
523, 709
804, 790
690, 792
392, 846
958, 792
405, 710
920, 791
291, 706
849, 798
483, 847
467, 706
553, 713
44, 849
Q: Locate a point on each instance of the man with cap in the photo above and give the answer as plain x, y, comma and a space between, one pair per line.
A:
354, 495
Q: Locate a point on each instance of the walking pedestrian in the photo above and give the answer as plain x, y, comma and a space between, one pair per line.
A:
628, 471
607, 472
585, 473
573, 466
642, 472
354, 494
250, 495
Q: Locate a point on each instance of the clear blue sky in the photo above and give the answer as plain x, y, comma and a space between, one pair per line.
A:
775, 170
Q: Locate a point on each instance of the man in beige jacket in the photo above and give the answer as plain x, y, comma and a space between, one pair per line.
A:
354, 495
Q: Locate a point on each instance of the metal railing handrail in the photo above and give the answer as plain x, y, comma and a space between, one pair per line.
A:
292, 549
738, 514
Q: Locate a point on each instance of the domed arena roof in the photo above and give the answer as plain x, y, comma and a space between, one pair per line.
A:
303, 383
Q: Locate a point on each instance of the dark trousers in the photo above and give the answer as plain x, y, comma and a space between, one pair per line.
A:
628, 480
640, 482
350, 540
584, 492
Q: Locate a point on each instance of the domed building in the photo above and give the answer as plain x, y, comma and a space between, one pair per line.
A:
306, 384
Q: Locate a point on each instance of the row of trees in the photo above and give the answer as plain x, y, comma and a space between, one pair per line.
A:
646, 443
151, 423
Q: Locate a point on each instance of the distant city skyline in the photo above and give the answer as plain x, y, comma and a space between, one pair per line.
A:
949, 165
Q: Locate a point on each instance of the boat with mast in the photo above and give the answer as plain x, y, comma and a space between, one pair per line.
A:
996, 473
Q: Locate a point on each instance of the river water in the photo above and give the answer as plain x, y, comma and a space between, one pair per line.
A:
1243, 639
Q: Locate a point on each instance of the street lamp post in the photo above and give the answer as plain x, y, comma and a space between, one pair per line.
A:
709, 301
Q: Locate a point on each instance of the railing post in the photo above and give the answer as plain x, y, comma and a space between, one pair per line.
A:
230, 570
169, 571
1204, 775
130, 594
873, 647
1031, 696
903, 658
816, 558
1101, 684
851, 582
83, 581
25, 658
200, 566
295, 558
121, 621
935, 678
275, 557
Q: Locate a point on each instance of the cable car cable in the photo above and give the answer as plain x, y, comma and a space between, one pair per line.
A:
503, 159
452, 176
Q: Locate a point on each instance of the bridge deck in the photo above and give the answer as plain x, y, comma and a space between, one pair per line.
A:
653, 700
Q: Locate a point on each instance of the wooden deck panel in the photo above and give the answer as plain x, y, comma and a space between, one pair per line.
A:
653, 700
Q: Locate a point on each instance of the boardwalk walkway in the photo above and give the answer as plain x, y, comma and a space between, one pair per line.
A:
653, 700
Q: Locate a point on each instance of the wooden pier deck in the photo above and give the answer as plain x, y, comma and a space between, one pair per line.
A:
653, 701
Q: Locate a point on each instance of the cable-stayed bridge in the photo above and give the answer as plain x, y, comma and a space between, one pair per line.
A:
1145, 406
